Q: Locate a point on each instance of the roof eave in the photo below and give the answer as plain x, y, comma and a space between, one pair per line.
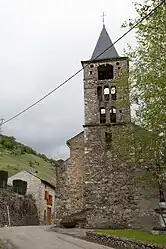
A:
106, 60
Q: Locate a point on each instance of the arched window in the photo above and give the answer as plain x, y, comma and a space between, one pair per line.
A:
99, 93
105, 72
102, 115
106, 93
113, 92
113, 115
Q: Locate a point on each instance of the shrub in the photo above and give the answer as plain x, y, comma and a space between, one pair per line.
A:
8, 142
3, 179
20, 187
30, 164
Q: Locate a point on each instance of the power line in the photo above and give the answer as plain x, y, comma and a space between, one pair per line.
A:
71, 77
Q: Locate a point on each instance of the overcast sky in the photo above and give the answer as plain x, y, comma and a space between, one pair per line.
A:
41, 44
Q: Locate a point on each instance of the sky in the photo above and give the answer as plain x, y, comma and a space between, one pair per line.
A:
42, 43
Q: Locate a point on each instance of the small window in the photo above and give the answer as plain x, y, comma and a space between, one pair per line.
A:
113, 110
90, 72
113, 92
105, 72
103, 111
117, 63
106, 93
108, 137
106, 90
102, 115
49, 201
113, 115
99, 93
46, 195
91, 65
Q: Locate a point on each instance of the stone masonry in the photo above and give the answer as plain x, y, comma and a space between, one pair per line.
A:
37, 187
22, 210
110, 193
91, 82
98, 177
70, 199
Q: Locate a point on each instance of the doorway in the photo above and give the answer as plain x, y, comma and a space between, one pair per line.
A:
49, 216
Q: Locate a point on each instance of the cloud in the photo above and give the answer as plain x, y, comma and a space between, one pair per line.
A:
42, 44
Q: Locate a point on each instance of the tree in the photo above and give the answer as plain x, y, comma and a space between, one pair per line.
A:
148, 78
148, 71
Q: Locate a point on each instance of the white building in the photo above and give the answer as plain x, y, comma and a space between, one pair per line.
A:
42, 191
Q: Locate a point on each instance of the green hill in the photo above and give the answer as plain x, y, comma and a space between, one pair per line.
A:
15, 157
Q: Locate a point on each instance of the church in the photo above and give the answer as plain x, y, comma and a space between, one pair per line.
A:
97, 179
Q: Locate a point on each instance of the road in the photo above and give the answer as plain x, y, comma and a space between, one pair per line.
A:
42, 238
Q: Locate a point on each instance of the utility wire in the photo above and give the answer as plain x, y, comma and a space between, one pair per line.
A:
45, 96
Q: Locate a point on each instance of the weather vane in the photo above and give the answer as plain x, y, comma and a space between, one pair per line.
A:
103, 16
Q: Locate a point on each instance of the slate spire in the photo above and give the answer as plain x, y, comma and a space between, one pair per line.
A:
104, 42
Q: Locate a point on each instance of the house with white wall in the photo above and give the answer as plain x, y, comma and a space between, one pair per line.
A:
42, 191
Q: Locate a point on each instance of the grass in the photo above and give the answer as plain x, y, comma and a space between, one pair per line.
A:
15, 163
137, 235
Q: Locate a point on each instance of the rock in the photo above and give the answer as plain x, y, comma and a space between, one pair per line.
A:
74, 220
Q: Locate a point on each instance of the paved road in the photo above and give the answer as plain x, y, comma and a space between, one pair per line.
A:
42, 238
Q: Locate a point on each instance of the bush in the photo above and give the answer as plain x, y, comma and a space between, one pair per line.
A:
3, 179
8, 142
19, 187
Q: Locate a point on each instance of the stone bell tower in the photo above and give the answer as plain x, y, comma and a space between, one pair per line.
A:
107, 109
100, 89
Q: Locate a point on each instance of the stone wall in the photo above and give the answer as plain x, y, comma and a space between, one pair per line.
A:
110, 191
75, 174
70, 179
61, 196
22, 209
42, 204
100, 178
121, 243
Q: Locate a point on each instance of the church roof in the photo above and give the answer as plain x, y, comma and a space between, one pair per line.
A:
103, 43
81, 134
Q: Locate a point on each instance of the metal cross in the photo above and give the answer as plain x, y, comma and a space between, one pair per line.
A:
103, 18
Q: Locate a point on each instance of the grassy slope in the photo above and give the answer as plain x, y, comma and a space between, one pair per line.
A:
137, 235
16, 163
